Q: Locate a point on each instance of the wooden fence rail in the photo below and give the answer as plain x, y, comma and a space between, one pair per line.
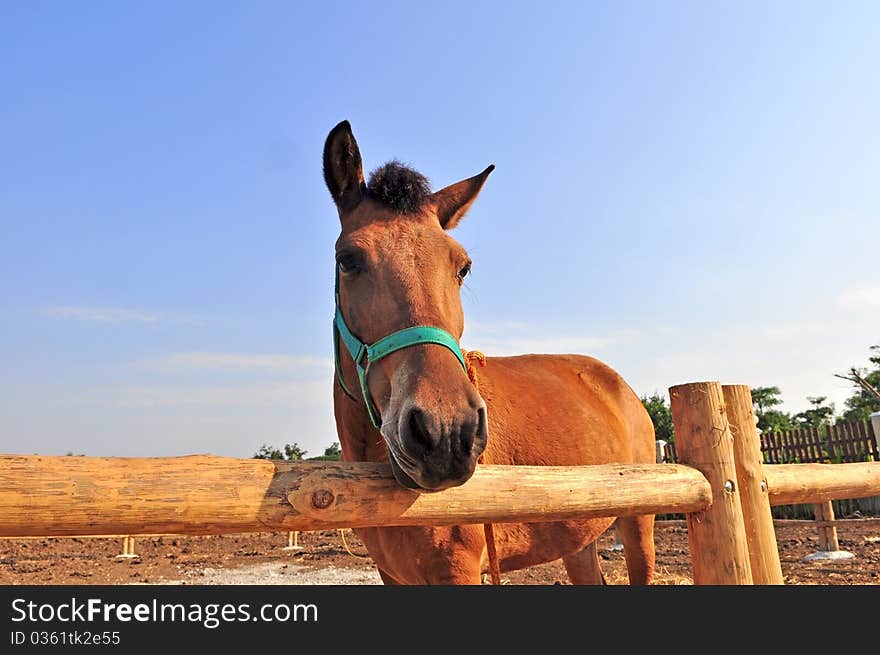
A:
58, 496
202, 494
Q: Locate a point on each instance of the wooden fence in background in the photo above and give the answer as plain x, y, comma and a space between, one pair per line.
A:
831, 444
841, 442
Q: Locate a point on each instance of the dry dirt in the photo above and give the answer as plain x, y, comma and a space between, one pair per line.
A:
261, 558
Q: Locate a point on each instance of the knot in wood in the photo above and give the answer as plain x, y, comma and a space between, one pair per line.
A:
322, 499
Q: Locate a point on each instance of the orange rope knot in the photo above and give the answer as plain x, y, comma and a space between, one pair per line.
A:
473, 357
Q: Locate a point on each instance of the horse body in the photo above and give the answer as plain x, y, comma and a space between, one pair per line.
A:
543, 410
397, 268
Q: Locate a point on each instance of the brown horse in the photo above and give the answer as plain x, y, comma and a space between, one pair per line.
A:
397, 267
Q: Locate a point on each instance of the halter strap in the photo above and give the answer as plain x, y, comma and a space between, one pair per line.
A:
364, 355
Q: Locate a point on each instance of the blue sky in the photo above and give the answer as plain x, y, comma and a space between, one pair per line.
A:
687, 191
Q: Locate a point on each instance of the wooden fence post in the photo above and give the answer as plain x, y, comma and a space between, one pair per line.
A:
717, 534
829, 547
127, 549
753, 489
293, 541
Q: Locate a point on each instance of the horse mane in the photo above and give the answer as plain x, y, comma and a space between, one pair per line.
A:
399, 187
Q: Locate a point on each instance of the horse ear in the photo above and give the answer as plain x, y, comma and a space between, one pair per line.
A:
343, 170
453, 201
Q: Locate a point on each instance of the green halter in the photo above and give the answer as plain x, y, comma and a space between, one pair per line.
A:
364, 355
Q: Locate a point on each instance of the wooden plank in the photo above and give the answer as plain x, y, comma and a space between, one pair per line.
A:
54, 496
821, 447
716, 534
859, 441
845, 443
835, 436
768, 447
809, 454
774, 449
865, 441
758, 521
808, 457
852, 442
834, 452
817, 456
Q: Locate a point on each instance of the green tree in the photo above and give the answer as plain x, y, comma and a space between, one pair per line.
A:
291, 452
268, 452
763, 398
819, 414
774, 420
863, 402
332, 453
661, 416
770, 420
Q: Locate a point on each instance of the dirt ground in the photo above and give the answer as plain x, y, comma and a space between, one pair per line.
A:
262, 558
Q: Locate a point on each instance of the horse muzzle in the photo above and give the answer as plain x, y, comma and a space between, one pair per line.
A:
433, 453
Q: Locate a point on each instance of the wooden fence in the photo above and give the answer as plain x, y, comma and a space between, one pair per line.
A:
831, 444
841, 442
722, 487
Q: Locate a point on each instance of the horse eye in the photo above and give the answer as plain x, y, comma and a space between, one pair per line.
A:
462, 274
349, 263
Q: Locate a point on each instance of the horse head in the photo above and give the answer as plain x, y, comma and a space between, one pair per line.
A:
399, 315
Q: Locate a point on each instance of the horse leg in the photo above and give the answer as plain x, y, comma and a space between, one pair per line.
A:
386, 579
637, 535
583, 566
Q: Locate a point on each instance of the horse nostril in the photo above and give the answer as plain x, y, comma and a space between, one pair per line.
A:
469, 431
418, 430
467, 438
